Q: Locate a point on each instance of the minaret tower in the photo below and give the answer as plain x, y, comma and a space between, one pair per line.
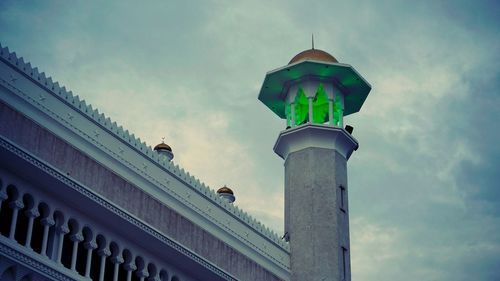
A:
313, 93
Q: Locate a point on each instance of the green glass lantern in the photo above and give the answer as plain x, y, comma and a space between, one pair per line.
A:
314, 88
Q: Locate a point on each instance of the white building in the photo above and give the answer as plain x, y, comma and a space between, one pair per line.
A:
84, 199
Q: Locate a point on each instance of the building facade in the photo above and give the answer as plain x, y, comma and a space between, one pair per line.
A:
84, 199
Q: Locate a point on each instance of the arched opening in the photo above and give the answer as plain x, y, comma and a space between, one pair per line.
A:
164, 275
81, 257
22, 219
175, 278
320, 105
6, 211
152, 272
139, 262
37, 233
53, 240
301, 107
110, 266
95, 268
67, 250
9, 274
127, 260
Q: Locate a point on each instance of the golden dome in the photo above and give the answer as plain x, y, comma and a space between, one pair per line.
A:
225, 189
313, 54
163, 146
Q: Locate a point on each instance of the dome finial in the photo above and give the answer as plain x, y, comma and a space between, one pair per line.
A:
312, 40
164, 150
227, 194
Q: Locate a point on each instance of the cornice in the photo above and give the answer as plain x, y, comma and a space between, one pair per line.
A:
61, 177
122, 147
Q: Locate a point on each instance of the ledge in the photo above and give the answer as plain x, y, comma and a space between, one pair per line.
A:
314, 135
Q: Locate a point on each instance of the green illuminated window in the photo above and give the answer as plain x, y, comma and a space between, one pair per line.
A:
301, 107
320, 108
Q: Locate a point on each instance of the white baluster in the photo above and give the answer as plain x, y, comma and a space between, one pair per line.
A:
310, 101
117, 260
31, 214
47, 223
75, 238
142, 274
330, 112
61, 231
15, 206
130, 267
90, 246
103, 253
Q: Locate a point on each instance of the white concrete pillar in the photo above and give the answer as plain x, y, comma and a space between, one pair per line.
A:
341, 117
90, 246
315, 167
330, 112
116, 260
130, 267
75, 238
15, 206
31, 214
142, 274
47, 223
103, 253
310, 101
293, 114
60, 232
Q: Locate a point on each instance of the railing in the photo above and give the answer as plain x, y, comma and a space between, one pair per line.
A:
45, 230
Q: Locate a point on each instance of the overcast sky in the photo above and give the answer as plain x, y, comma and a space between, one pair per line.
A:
424, 187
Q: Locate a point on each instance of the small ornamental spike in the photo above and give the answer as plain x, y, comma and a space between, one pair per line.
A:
312, 40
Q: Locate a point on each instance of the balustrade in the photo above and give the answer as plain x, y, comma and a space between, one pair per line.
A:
34, 226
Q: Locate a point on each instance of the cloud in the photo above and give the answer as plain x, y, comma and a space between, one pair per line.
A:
423, 186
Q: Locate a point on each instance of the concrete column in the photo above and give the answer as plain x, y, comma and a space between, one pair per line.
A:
330, 112
16, 206
60, 231
90, 246
317, 234
47, 223
31, 214
75, 238
293, 114
103, 253
142, 274
342, 107
315, 170
117, 260
130, 267
310, 101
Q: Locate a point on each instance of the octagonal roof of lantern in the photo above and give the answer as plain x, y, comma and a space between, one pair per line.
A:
319, 65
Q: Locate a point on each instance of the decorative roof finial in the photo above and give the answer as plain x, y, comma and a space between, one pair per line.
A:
312, 40
164, 150
227, 194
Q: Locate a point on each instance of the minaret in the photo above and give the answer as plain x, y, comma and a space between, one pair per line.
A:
313, 93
